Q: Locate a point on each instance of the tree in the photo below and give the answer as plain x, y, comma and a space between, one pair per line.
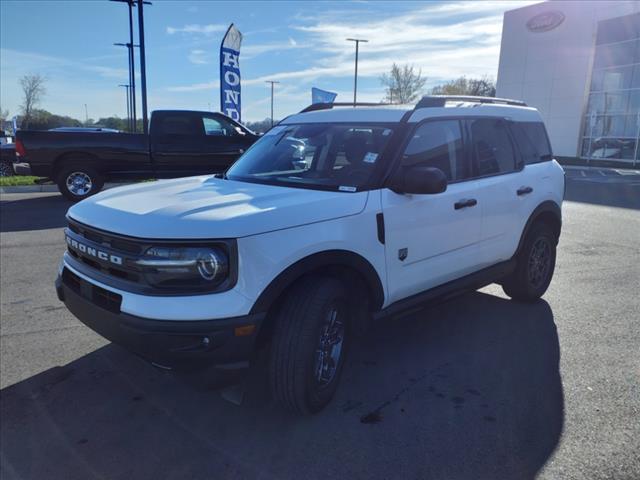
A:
43, 120
403, 84
482, 87
260, 126
33, 90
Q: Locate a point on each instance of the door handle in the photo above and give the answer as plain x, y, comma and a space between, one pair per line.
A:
524, 191
465, 203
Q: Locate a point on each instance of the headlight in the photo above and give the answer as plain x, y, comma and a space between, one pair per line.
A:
184, 267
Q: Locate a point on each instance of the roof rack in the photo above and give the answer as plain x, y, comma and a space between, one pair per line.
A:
328, 106
440, 100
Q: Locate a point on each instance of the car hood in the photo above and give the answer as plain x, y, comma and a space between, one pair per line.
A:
209, 207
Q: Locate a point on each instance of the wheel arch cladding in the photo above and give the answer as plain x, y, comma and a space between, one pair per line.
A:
547, 212
326, 262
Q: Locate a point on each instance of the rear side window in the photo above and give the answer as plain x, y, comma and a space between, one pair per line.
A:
491, 146
181, 125
438, 144
532, 141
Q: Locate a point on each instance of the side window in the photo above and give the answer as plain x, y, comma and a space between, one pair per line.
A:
438, 144
181, 125
217, 127
491, 146
531, 139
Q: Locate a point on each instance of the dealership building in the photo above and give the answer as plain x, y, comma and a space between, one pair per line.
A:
578, 63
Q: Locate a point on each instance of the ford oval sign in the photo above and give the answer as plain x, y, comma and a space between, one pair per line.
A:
545, 21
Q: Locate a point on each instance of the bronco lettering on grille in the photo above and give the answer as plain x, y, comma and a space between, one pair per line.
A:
93, 252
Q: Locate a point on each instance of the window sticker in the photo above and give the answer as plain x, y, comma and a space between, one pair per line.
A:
344, 188
370, 157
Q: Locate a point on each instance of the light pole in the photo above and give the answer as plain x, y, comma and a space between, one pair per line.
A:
355, 80
132, 93
132, 66
86, 115
143, 66
272, 82
128, 87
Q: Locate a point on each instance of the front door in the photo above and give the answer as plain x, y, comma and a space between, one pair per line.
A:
431, 239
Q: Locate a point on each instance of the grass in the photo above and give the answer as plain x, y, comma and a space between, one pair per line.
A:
17, 180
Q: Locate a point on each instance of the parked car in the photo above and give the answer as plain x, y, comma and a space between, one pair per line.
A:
391, 208
180, 143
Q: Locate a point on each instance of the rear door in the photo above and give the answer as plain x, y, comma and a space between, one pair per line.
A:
193, 143
431, 239
499, 177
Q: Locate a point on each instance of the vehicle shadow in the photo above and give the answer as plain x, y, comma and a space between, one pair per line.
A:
467, 389
33, 213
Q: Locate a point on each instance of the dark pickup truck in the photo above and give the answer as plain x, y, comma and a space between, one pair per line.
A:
179, 144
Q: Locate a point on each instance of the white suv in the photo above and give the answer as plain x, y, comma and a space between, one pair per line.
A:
334, 217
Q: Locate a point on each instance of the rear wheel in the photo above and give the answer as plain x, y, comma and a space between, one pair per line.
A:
77, 182
309, 344
535, 265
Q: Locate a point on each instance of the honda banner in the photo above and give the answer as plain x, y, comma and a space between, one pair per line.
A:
322, 96
230, 103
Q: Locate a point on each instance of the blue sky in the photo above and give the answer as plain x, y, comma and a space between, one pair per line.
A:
301, 44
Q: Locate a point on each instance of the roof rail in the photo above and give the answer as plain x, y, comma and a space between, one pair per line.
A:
328, 106
440, 100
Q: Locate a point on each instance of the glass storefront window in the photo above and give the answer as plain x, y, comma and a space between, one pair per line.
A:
612, 121
615, 54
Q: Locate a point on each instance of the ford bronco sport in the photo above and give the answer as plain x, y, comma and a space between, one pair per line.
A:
335, 217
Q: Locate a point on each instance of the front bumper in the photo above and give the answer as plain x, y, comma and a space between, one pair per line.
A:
184, 345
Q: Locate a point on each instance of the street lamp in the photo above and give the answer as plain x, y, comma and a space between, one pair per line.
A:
272, 82
355, 80
128, 87
143, 67
132, 85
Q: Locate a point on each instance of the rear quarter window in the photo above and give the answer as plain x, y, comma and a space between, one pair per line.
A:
532, 141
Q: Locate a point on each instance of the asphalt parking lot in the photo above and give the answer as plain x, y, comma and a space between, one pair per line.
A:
477, 388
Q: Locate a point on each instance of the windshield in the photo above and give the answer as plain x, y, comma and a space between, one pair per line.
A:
328, 156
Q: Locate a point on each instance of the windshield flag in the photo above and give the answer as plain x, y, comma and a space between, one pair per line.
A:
230, 73
322, 96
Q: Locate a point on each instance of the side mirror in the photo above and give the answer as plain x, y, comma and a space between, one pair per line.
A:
419, 180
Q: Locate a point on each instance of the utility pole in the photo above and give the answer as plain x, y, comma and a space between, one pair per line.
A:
86, 115
272, 82
355, 80
128, 87
143, 66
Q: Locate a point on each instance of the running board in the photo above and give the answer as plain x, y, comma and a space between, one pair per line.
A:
451, 289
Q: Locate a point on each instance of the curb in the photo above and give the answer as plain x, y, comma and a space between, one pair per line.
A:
46, 188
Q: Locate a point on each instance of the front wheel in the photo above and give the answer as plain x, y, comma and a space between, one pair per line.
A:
536, 263
309, 343
77, 182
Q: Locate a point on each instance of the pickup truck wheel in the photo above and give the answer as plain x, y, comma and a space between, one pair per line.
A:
6, 169
79, 182
309, 344
535, 265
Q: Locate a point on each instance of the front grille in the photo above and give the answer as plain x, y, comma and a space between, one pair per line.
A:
97, 295
123, 248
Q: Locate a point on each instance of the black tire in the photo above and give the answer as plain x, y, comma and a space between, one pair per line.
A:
298, 379
6, 169
536, 262
93, 181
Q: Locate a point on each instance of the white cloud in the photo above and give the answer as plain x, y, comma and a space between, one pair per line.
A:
292, 42
197, 29
198, 57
